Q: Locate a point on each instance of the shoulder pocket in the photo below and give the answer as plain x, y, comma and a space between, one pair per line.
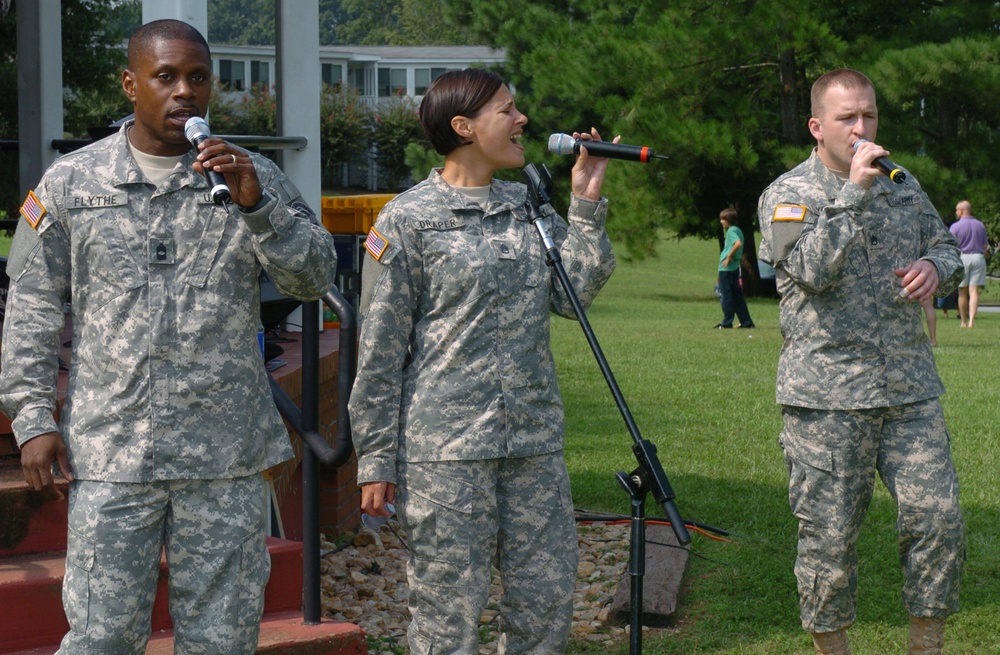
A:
787, 223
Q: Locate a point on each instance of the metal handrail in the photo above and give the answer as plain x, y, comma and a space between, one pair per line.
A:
306, 423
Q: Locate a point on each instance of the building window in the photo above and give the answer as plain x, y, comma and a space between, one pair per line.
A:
332, 74
232, 74
391, 82
357, 79
422, 78
260, 74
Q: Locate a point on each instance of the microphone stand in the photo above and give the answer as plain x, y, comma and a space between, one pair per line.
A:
649, 476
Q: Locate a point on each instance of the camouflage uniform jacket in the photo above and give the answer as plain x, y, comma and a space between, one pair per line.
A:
850, 341
454, 359
166, 380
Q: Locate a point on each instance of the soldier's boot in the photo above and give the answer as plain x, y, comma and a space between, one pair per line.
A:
831, 643
926, 636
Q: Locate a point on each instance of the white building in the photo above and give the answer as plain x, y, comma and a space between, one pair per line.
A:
376, 72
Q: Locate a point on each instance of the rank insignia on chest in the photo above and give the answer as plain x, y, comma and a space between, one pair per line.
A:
376, 244
32, 210
789, 213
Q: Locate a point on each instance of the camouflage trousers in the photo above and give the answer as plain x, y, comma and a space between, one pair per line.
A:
832, 459
212, 532
461, 518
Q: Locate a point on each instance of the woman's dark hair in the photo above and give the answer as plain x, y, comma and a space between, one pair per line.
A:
455, 93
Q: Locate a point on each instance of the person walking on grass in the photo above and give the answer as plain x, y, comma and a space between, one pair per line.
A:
855, 255
733, 302
971, 235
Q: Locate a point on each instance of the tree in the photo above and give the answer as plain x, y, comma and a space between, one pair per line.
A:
241, 22
345, 131
397, 125
723, 89
356, 22
399, 22
697, 81
92, 33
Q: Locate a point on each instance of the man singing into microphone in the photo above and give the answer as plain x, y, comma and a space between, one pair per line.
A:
168, 420
855, 254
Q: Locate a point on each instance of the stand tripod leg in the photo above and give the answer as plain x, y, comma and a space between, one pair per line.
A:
636, 558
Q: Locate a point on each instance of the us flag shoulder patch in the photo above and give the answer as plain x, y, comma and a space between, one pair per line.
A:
376, 244
32, 210
789, 213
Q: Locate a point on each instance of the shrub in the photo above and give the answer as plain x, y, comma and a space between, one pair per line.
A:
345, 131
397, 125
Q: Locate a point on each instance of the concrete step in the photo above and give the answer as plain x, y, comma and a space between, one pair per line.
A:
31, 594
281, 633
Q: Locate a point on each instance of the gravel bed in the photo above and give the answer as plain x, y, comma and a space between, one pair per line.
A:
364, 582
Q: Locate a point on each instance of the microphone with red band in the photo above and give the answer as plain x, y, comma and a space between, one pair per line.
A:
564, 144
892, 171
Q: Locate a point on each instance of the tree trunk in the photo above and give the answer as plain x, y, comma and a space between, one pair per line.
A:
790, 127
748, 264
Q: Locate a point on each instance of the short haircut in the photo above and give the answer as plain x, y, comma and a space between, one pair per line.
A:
455, 93
843, 77
167, 29
729, 215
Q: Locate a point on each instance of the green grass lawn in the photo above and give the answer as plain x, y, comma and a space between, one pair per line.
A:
706, 399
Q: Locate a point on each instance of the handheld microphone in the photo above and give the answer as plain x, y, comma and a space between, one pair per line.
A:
564, 144
196, 130
892, 171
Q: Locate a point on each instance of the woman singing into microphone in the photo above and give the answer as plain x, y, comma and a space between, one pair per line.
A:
456, 410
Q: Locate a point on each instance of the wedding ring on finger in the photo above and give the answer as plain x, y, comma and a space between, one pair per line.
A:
234, 157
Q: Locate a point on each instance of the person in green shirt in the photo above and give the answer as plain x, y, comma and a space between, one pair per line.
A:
733, 302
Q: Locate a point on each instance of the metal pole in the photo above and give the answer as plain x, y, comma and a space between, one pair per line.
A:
311, 604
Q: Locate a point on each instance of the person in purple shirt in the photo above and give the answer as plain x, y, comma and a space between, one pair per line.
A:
971, 235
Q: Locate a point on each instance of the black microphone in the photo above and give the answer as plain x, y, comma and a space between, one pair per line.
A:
196, 130
893, 172
564, 144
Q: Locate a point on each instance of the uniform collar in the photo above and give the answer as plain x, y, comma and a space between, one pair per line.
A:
125, 170
501, 197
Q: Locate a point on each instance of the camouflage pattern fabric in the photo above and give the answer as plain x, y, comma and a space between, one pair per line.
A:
113, 561
454, 361
850, 341
832, 459
858, 384
166, 379
461, 517
455, 372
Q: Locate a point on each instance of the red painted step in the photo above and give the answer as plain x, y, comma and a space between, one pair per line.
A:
31, 594
30, 524
281, 633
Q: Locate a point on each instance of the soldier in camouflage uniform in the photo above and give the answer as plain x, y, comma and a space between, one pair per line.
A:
456, 409
168, 420
855, 254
